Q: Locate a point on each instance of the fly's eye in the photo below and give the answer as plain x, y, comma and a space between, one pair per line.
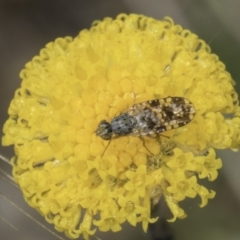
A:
107, 136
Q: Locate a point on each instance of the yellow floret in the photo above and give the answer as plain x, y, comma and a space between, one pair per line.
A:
71, 175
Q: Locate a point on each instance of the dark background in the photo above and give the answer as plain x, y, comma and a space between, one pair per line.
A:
26, 26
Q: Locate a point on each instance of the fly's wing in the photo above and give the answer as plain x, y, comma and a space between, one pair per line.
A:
160, 115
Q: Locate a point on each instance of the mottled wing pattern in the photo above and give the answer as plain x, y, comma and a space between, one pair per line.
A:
160, 115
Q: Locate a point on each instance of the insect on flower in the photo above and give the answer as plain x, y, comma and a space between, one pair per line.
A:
148, 118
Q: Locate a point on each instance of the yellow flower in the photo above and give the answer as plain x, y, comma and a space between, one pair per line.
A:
175, 209
145, 216
210, 166
138, 181
182, 187
130, 207
85, 227
80, 182
181, 160
204, 193
111, 219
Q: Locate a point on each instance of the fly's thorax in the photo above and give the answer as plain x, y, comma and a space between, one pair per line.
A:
123, 124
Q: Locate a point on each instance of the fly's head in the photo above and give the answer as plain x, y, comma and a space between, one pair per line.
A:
104, 130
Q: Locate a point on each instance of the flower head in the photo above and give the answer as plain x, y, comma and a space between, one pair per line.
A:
75, 83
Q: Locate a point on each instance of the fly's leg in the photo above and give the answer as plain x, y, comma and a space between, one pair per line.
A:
157, 137
144, 144
114, 137
106, 147
166, 146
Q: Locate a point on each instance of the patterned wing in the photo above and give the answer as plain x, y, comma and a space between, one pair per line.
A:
160, 115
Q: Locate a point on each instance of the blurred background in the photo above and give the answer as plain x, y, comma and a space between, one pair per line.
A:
26, 26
